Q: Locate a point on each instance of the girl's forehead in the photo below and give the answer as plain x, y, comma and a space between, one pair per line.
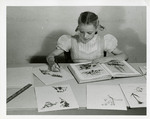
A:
87, 27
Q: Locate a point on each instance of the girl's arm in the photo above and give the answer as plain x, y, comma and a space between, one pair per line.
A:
51, 59
118, 55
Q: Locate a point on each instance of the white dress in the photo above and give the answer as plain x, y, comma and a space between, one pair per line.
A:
81, 52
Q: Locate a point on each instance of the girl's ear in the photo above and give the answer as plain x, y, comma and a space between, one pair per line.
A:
100, 27
97, 29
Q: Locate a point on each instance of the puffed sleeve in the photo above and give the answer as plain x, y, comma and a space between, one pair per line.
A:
64, 43
110, 42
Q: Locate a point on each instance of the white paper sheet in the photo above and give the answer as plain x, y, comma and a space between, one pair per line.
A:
135, 94
143, 69
48, 77
50, 98
19, 77
105, 97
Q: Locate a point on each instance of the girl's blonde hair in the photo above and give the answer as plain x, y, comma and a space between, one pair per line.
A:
89, 18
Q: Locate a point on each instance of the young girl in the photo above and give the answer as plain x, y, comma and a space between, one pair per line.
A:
87, 44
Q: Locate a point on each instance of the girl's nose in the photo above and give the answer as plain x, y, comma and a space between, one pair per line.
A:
85, 35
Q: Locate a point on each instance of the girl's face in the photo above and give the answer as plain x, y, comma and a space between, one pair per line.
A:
87, 32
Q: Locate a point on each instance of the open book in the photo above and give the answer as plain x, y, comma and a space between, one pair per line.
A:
88, 72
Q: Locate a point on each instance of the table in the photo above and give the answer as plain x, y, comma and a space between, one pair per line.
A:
25, 103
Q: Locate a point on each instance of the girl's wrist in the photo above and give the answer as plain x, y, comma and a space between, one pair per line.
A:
50, 59
116, 58
107, 59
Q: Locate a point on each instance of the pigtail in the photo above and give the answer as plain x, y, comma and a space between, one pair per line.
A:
101, 28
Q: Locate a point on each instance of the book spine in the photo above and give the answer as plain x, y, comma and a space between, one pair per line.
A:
73, 73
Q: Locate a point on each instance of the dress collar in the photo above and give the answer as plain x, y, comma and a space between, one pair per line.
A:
93, 40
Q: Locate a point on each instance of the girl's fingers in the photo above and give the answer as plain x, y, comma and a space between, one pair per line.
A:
55, 68
99, 61
95, 61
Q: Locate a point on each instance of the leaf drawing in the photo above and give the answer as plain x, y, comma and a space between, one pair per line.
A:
135, 96
47, 72
56, 75
93, 72
110, 101
117, 64
64, 103
48, 104
60, 89
139, 89
87, 66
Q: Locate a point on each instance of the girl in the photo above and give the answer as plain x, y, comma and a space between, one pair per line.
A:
87, 44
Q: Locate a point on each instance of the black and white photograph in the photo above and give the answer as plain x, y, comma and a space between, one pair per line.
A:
46, 35
105, 46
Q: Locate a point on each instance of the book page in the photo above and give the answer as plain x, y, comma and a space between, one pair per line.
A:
50, 98
88, 70
19, 77
135, 94
105, 97
48, 77
120, 69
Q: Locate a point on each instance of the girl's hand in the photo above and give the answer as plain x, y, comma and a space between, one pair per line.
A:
52, 65
102, 60
55, 68
51, 60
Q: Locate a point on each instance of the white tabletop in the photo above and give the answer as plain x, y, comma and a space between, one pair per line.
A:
27, 101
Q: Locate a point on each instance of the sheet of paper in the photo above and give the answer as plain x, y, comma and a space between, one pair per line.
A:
135, 94
143, 69
50, 98
48, 77
19, 77
105, 97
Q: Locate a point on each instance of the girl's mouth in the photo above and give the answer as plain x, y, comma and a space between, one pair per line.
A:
86, 40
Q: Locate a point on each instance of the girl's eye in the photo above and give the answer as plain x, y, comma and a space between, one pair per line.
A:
81, 32
89, 33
